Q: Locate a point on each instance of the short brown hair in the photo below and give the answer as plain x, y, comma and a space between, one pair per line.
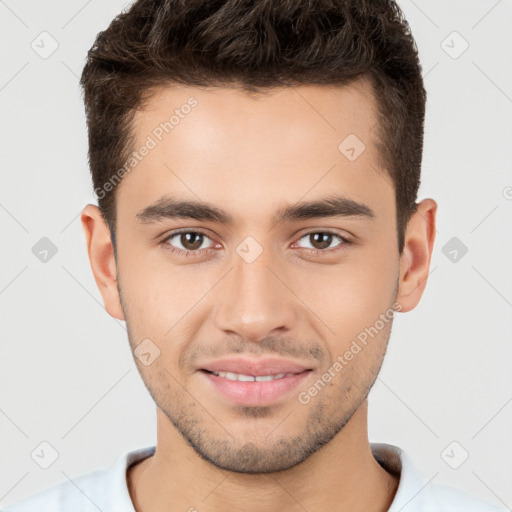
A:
255, 46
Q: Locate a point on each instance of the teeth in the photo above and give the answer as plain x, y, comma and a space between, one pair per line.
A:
239, 376
251, 378
263, 378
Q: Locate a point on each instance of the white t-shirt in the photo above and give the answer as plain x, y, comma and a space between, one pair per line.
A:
106, 490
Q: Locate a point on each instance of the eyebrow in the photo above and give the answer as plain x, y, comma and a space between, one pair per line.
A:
334, 206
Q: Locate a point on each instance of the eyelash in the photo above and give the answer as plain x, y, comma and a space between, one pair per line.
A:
199, 252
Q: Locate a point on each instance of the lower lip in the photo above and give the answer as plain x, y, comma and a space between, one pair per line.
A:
255, 393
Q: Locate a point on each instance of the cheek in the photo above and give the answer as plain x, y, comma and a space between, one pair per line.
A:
162, 301
349, 292
165, 301
349, 299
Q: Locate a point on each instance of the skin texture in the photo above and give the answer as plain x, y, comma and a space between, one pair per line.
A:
250, 156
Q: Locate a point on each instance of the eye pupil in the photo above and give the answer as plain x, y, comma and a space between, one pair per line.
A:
191, 245
191, 241
326, 243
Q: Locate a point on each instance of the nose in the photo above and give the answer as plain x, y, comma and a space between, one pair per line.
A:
255, 300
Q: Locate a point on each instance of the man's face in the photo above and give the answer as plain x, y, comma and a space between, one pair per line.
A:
252, 297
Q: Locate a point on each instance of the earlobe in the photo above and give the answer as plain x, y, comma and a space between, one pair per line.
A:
101, 257
417, 253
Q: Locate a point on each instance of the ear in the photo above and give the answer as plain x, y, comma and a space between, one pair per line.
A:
415, 258
101, 256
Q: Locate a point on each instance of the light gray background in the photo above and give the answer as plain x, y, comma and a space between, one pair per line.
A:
67, 375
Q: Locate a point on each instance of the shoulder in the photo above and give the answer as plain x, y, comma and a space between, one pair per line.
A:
417, 493
450, 499
82, 494
104, 489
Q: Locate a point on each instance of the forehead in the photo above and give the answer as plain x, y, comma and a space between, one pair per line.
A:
256, 152
305, 110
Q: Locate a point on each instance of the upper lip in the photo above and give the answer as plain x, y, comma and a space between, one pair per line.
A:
255, 367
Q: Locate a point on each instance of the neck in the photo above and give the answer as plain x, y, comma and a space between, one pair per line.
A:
342, 476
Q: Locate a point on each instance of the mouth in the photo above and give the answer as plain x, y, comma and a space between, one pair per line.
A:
250, 378
254, 382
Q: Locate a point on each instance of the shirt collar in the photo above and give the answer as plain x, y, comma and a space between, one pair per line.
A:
392, 458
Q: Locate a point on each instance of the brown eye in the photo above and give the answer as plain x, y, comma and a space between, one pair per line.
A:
186, 241
191, 241
322, 241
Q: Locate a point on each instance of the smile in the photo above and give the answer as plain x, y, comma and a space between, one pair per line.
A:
251, 378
